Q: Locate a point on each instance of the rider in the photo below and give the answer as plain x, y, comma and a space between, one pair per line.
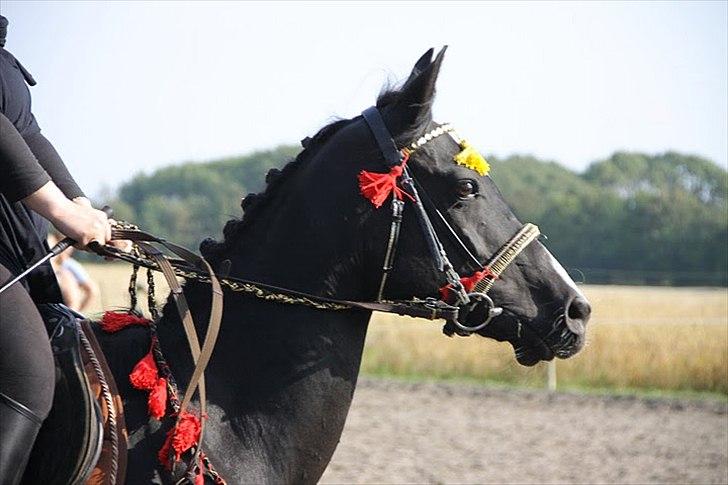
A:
35, 187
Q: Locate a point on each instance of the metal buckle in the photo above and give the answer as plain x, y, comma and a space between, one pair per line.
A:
476, 298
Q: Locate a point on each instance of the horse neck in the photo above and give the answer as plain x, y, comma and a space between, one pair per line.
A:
282, 377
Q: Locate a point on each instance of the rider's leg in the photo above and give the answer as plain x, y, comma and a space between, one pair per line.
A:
26, 378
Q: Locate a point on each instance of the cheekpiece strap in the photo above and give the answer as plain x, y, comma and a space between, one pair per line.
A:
392, 155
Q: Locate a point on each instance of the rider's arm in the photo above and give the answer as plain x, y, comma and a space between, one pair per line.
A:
21, 173
49, 159
23, 178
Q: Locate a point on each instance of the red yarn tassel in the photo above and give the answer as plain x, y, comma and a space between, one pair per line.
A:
164, 452
468, 282
157, 402
114, 321
180, 439
377, 186
144, 375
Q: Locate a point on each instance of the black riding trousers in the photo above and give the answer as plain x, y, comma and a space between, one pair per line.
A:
27, 372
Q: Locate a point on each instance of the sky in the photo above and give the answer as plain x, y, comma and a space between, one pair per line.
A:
127, 87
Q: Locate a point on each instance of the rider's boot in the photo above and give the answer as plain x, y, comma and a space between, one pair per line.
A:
18, 428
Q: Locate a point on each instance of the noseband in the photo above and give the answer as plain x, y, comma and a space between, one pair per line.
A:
467, 302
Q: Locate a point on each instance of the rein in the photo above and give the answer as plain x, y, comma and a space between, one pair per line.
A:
430, 308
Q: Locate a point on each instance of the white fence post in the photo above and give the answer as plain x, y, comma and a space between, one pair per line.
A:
551, 366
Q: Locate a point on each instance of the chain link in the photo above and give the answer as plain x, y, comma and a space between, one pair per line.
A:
236, 286
152, 295
133, 299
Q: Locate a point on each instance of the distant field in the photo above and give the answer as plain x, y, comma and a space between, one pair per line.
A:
650, 338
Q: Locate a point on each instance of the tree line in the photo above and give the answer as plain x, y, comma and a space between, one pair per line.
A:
632, 218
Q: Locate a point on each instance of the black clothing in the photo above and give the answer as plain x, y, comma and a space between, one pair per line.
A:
26, 361
27, 162
15, 96
21, 173
27, 378
15, 105
51, 161
22, 242
27, 371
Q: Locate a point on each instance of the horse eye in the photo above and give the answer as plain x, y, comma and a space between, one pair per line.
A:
466, 189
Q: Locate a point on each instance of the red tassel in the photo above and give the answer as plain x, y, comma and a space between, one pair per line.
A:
164, 452
144, 375
157, 402
468, 282
114, 321
180, 439
377, 186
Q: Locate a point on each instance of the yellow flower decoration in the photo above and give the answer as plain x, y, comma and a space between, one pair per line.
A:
470, 158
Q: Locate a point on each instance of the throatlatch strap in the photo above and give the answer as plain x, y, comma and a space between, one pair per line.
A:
392, 156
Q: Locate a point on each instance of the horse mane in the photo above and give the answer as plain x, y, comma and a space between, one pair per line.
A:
252, 204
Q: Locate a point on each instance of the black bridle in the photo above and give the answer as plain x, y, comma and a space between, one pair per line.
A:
393, 157
466, 302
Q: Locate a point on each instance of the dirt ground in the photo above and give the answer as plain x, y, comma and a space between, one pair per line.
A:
400, 432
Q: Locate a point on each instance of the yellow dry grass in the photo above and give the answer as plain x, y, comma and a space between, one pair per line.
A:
113, 280
639, 337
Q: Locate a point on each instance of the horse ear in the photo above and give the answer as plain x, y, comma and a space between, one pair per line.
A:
421, 64
414, 102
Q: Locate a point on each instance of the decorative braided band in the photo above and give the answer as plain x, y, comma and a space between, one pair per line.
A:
440, 130
467, 157
507, 253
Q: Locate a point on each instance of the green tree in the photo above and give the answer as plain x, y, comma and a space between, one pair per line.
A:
633, 217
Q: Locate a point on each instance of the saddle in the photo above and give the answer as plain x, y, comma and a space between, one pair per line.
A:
83, 440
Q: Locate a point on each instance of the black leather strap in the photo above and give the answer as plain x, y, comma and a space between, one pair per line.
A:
430, 206
431, 310
392, 156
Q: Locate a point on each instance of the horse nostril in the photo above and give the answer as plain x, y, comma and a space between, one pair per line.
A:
577, 313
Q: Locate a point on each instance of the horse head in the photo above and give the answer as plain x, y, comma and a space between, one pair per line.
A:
544, 313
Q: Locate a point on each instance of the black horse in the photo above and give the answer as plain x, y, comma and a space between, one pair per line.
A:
282, 377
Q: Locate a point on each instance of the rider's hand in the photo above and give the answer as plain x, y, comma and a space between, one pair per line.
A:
122, 244
81, 222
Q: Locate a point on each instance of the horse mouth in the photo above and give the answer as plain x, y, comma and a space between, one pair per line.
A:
561, 342
530, 346
531, 349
